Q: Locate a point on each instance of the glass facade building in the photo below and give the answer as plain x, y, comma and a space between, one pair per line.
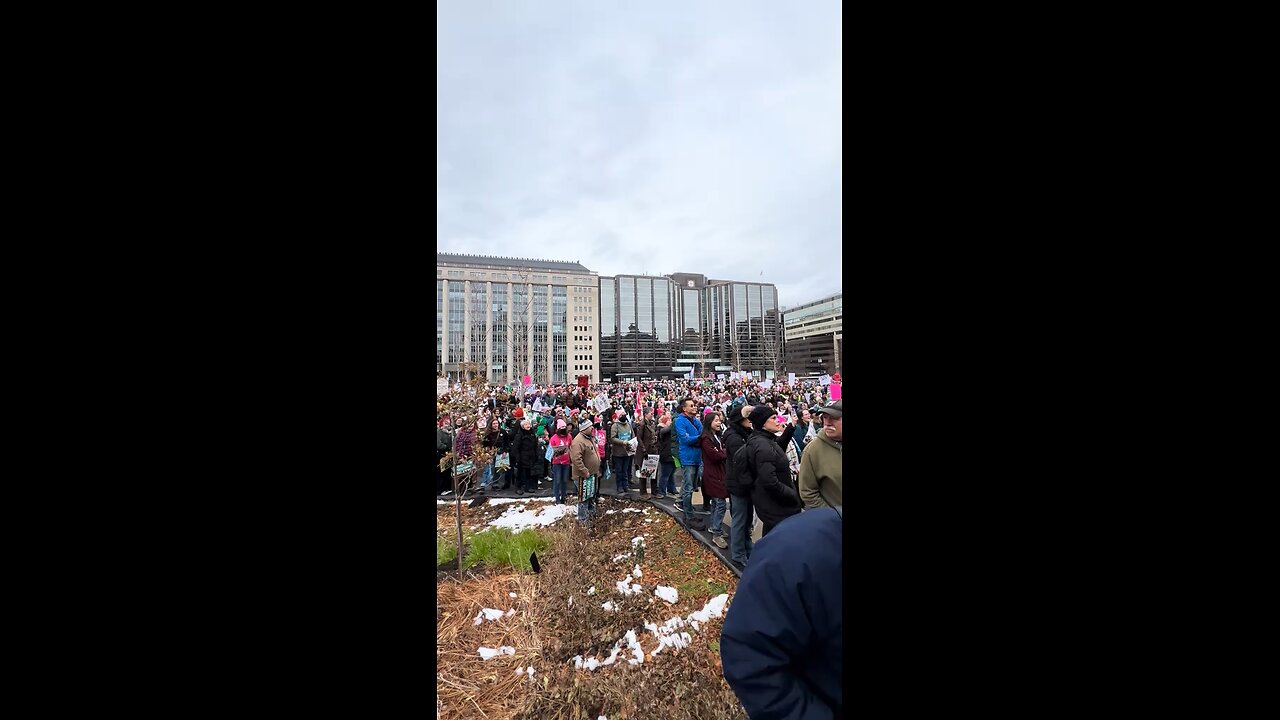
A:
659, 327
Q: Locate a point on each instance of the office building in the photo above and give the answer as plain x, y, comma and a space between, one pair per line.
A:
815, 336
510, 317
666, 326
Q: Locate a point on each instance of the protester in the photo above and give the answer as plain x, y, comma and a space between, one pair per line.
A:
584, 458
666, 465
773, 497
621, 437
464, 442
648, 440
713, 476
739, 483
560, 461
602, 444
821, 468
688, 431
493, 441
781, 644
444, 444
523, 458
509, 431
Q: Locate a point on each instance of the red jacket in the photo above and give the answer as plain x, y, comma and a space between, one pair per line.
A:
713, 462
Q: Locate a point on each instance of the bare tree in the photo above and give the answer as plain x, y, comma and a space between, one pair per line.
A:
519, 310
704, 347
771, 347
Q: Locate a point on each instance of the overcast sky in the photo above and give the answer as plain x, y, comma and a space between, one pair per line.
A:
644, 137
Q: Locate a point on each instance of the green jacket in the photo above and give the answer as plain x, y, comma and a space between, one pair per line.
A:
821, 479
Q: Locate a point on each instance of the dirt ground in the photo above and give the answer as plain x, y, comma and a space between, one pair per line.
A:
557, 618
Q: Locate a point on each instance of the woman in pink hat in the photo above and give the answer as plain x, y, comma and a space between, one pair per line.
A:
560, 442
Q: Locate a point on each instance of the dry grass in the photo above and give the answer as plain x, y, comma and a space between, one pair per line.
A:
547, 632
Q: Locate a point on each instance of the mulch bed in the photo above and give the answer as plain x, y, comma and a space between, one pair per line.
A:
548, 630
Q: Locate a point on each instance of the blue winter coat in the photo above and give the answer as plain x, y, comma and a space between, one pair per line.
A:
781, 643
689, 433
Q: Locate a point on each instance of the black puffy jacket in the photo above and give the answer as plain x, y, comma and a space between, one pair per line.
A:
736, 475
664, 444
525, 449
774, 496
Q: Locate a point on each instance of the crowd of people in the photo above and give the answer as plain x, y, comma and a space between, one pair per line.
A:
751, 450
754, 451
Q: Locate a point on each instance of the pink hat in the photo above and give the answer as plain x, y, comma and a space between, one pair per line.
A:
560, 424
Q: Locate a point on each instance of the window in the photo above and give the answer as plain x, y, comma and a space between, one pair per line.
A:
477, 276
455, 273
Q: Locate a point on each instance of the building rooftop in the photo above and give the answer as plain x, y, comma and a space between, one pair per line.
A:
500, 261
828, 298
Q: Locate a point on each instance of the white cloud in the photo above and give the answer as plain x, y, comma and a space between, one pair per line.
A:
654, 137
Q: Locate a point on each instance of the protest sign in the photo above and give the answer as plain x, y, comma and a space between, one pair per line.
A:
650, 467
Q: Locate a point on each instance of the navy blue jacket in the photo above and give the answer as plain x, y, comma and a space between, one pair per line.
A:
781, 644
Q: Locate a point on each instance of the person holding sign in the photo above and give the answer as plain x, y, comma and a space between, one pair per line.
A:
559, 446
585, 461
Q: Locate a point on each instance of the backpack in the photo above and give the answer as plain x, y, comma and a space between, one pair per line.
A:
743, 469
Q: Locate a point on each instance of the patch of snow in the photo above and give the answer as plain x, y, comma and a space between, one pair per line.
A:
674, 640
608, 606
623, 556
511, 594
626, 587
511, 612
713, 608
508, 501
613, 655
636, 572
634, 510
518, 518
636, 651
637, 541
570, 601
519, 671
592, 591
529, 671
486, 653
488, 614
610, 512
667, 593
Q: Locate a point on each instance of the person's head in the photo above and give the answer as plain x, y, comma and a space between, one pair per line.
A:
586, 427
764, 418
621, 416
526, 424
832, 421
715, 424
805, 415
562, 428
689, 407
664, 420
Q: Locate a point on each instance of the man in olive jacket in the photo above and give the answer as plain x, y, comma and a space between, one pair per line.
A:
821, 470
585, 460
